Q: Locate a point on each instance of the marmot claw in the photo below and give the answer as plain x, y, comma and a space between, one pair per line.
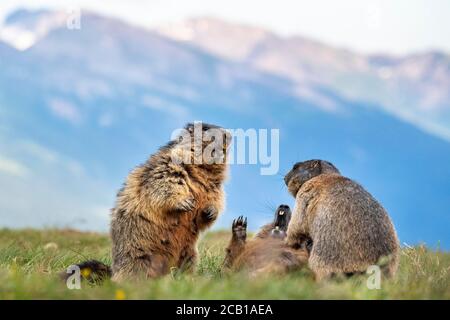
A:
185, 205
239, 228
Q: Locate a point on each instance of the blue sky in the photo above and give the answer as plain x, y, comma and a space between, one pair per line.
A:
397, 27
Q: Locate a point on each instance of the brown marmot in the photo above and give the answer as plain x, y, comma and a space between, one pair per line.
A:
349, 229
165, 203
267, 252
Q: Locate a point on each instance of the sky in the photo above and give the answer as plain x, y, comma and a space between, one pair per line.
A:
374, 26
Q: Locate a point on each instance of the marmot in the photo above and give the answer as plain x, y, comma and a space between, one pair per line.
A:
267, 252
166, 202
349, 229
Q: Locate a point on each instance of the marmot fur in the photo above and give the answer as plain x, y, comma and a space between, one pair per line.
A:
349, 229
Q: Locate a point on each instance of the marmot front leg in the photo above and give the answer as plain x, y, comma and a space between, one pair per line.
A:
297, 232
239, 230
237, 243
171, 193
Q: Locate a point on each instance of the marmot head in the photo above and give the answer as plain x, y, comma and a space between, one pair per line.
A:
201, 144
304, 171
282, 218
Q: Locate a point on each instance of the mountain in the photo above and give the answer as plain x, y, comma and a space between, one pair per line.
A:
80, 108
414, 88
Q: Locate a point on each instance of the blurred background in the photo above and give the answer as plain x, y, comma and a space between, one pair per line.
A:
89, 89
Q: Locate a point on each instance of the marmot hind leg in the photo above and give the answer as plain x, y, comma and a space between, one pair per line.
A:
318, 267
188, 259
144, 266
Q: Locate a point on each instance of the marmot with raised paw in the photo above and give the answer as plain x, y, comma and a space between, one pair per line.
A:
267, 252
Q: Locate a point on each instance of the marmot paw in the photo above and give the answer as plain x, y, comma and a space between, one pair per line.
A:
185, 205
239, 228
210, 213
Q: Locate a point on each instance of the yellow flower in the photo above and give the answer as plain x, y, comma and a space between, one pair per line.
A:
86, 272
120, 294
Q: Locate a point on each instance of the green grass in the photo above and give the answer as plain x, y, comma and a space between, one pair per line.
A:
28, 270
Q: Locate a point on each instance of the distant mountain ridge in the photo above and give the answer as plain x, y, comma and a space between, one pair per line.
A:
80, 108
416, 87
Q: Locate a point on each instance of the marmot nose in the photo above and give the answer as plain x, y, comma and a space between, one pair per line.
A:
287, 178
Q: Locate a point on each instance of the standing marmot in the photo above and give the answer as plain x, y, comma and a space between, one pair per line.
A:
163, 206
167, 201
267, 252
349, 229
